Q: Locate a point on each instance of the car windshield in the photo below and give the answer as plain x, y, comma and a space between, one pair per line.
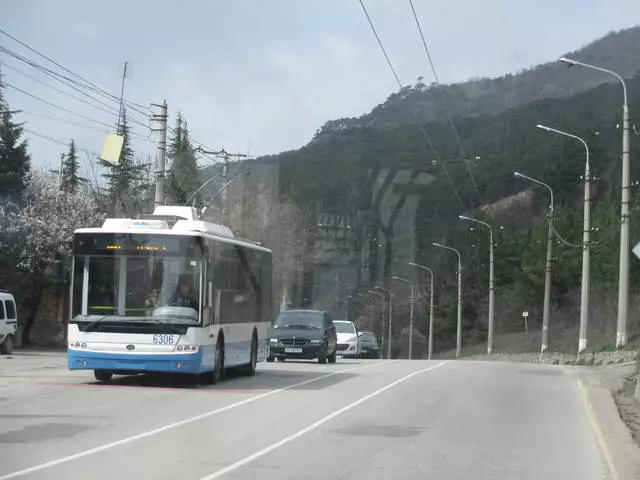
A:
344, 327
368, 337
303, 320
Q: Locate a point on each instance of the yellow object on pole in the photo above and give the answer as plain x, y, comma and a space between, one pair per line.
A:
112, 148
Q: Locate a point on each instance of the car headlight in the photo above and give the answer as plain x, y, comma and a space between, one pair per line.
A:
316, 341
273, 340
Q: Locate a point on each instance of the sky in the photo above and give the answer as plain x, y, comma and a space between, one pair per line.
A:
261, 76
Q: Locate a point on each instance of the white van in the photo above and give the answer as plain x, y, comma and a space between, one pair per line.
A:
8, 322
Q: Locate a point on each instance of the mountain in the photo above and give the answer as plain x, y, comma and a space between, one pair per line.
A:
493, 96
342, 171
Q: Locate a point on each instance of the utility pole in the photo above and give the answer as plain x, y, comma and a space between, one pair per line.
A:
62, 155
623, 279
492, 283
586, 268
162, 151
225, 156
431, 308
400, 279
121, 111
623, 285
459, 322
586, 241
546, 308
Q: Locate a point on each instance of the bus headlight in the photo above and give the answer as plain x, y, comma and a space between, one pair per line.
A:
274, 340
315, 341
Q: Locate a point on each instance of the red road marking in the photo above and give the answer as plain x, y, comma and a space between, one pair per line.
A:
147, 387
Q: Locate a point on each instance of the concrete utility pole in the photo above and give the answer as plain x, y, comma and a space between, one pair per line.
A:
586, 242
546, 309
382, 323
431, 308
400, 279
492, 283
162, 151
459, 325
225, 156
623, 280
390, 317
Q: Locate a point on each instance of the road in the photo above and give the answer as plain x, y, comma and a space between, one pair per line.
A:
352, 420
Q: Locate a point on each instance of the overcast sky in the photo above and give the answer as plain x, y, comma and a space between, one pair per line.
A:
260, 76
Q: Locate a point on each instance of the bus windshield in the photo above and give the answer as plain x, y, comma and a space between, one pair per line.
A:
129, 288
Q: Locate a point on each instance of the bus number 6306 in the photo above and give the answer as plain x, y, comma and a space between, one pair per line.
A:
163, 339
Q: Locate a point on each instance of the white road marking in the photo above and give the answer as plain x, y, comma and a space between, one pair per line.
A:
314, 425
180, 423
595, 425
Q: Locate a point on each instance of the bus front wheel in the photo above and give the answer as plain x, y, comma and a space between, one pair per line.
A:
103, 375
218, 368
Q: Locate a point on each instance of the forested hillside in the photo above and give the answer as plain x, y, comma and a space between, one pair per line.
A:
332, 172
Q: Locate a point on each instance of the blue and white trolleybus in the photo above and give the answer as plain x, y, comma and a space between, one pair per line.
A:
168, 292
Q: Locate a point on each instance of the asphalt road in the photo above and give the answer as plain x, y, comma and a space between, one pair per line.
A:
353, 420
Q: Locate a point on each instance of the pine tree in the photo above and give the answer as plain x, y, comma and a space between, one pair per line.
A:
15, 160
70, 168
125, 174
183, 178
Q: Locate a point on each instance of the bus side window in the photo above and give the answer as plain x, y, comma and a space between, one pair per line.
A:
209, 294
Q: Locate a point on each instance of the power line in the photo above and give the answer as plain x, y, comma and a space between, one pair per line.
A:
87, 84
59, 142
55, 119
444, 101
69, 82
110, 112
415, 116
62, 66
60, 78
75, 124
133, 134
56, 106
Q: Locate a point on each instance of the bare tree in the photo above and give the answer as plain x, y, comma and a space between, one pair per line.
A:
279, 225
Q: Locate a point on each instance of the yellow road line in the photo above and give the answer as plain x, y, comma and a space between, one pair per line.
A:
593, 419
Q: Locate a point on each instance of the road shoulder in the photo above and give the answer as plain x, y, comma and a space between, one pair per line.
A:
599, 387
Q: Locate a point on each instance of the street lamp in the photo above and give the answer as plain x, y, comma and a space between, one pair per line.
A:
586, 242
459, 324
492, 284
400, 279
373, 292
623, 282
430, 341
546, 309
388, 292
346, 305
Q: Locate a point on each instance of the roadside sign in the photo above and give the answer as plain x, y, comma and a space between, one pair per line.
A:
636, 250
525, 315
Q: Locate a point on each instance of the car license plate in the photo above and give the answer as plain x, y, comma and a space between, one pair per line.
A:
292, 350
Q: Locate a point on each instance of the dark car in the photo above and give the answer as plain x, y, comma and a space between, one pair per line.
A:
368, 345
303, 334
